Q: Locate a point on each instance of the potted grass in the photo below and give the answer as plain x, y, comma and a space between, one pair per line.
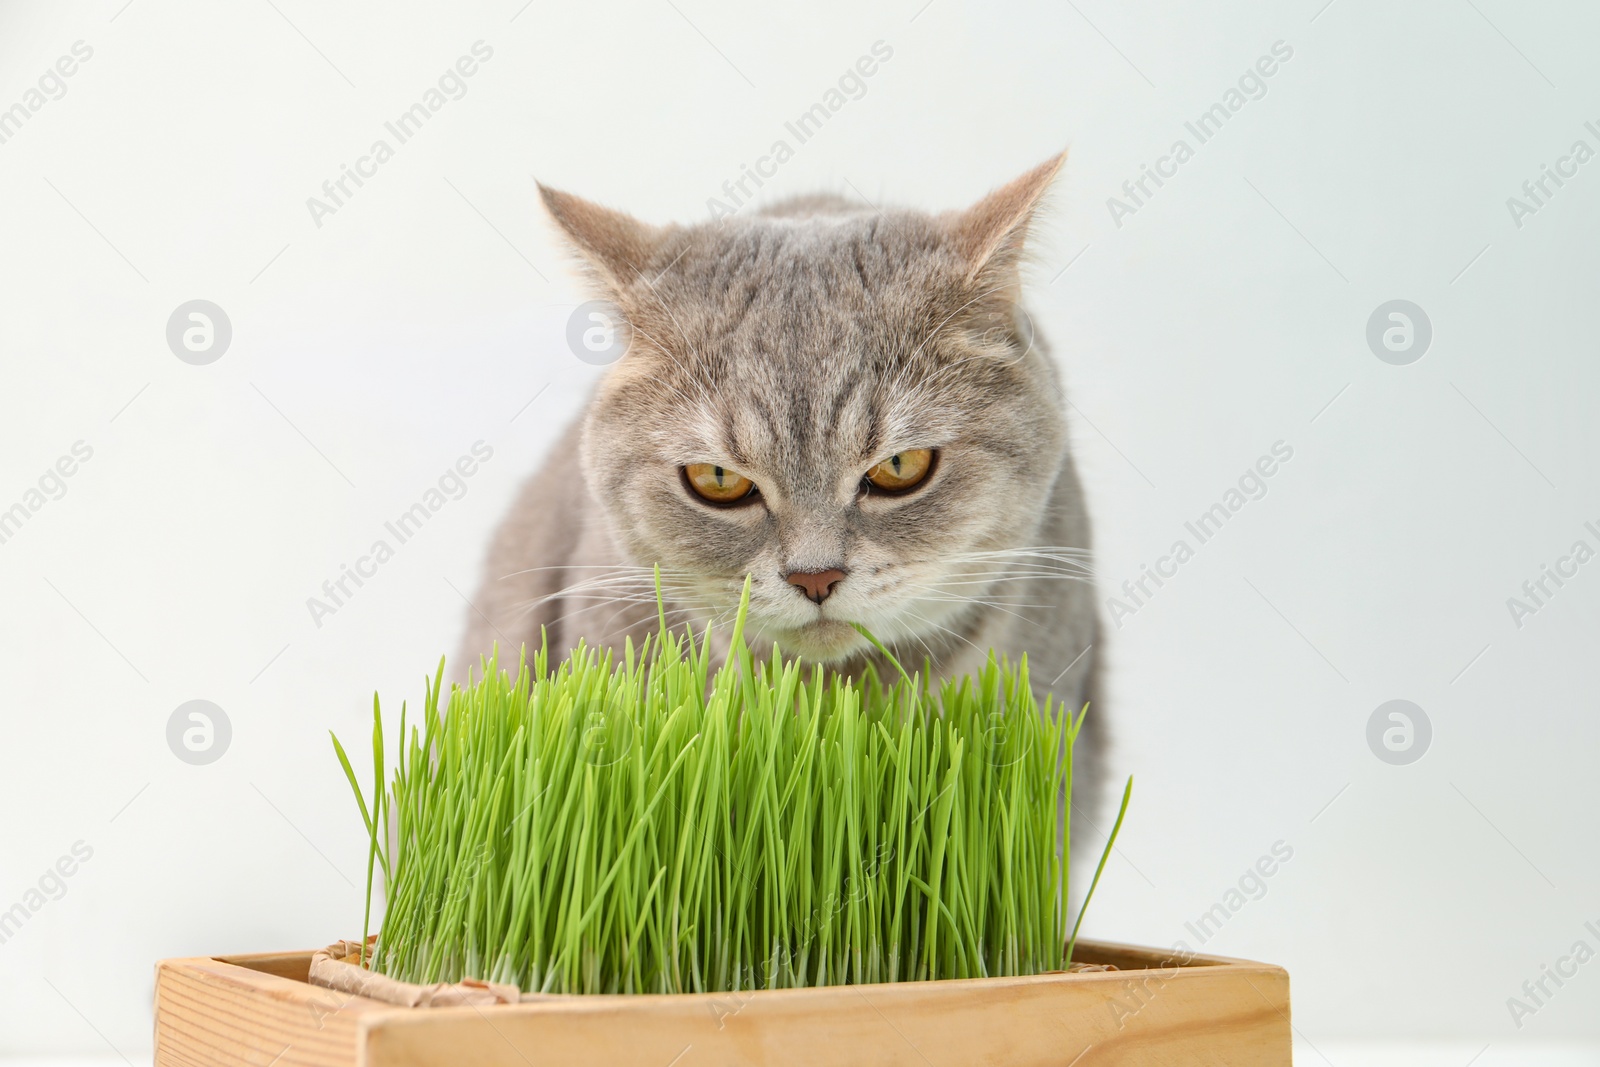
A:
639, 859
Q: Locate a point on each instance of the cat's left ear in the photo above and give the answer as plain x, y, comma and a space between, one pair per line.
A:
614, 245
990, 234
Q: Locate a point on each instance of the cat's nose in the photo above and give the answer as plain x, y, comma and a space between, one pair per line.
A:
816, 585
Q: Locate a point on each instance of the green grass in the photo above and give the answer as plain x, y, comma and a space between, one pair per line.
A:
647, 825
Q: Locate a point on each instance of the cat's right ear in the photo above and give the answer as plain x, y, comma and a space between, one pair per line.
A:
990, 234
615, 245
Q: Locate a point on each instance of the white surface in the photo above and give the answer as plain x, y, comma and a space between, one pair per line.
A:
1445, 1054
1225, 315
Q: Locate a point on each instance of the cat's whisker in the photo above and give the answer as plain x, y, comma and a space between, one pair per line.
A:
605, 581
1002, 555
581, 567
924, 619
978, 569
605, 627
998, 578
1012, 566
642, 581
605, 585
1001, 566
589, 593
982, 602
1032, 548
1052, 551
995, 566
986, 602
601, 603
925, 646
1039, 559
967, 579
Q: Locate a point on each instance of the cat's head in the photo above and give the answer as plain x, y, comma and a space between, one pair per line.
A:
847, 404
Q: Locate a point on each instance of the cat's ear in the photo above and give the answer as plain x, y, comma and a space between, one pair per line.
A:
615, 244
990, 234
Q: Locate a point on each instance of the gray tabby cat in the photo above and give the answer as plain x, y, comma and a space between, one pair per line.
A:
846, 404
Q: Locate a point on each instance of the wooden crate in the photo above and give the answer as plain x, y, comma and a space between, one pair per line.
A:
1150, 1012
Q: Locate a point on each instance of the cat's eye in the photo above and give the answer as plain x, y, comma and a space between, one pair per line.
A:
717, 485
902, 471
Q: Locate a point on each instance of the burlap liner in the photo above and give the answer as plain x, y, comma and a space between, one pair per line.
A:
335, 967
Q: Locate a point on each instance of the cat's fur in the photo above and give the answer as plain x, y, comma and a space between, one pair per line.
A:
799, 347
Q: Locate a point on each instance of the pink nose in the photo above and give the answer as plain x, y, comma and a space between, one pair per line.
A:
816, 585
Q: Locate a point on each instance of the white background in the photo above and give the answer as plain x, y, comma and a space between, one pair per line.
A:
1227, 314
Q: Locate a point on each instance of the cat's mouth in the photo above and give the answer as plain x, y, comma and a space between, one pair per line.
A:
823, 640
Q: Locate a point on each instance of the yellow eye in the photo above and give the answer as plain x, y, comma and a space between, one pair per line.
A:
717, 484
903, 470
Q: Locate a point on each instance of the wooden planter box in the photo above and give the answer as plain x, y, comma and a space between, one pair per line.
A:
1150, 1012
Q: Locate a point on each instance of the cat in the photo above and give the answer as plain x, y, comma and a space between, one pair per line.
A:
847, 404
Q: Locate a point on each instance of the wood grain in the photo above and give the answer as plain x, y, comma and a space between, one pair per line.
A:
212, 1012
1149, 1013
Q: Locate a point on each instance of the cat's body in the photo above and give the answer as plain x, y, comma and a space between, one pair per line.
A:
798, 352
